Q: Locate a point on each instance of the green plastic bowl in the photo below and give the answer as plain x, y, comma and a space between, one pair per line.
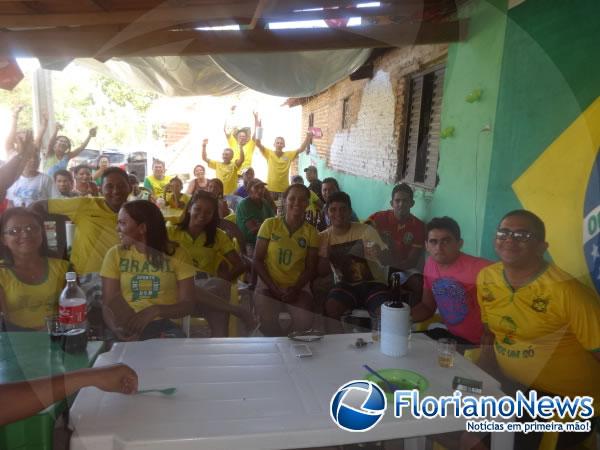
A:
404, 379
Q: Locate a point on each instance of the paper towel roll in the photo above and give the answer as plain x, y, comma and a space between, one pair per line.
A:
395, 328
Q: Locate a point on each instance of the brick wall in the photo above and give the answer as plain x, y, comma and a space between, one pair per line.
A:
174, 132
373, 143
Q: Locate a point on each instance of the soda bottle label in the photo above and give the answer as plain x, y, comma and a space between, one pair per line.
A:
72, 314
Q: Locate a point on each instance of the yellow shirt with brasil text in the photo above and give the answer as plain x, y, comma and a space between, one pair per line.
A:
545, 331
95, 230
142, 284
205, 259
156, 186
28, 305
278, 175
287, 252
248, 152
227, 173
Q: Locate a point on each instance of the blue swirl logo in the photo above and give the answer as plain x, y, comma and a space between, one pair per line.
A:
358, 406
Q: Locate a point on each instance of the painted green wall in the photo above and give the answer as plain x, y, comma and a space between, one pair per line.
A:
537, 70
474, 64
549, 76
464, 164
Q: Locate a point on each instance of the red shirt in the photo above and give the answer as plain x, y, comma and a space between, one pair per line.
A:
454, 289
3, 205
401, 237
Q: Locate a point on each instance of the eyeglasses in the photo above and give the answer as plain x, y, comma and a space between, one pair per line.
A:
503, 234
27, 229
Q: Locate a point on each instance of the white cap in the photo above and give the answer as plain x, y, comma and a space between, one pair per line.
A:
71, 276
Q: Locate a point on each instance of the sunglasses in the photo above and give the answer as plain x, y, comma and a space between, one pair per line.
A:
503, 234
27, 229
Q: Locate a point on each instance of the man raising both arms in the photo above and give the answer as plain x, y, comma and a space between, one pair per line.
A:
226, 170
239, 140
279, 162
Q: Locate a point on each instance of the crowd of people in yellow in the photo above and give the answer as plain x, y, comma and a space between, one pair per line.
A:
148, 256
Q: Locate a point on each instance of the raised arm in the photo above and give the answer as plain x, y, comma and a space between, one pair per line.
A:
261, 147
227, 135
204, 154
304, 144
257, 123
240, 160
24, 399
42, 130
52, 139
10, 172
82, 147
12, 133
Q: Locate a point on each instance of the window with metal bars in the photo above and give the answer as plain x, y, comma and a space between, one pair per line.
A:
420, 152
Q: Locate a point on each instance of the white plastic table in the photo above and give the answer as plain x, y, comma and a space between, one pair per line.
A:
253, 393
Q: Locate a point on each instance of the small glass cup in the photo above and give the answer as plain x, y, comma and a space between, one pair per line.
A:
446, 352
55, 329
376, 327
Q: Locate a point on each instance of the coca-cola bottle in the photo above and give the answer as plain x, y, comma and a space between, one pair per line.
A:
72, 306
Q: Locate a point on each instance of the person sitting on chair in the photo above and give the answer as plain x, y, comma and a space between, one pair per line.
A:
353, 251
450, 285
285, 260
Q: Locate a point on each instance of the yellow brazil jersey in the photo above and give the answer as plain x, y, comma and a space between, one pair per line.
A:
347, 256
248, 152
156, 186
545, 331
286, 252
171, 213
95, 230
142, 284
205, 259
28, 305
170, 201
278, 177
227, 174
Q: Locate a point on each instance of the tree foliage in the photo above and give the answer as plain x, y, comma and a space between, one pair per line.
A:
85, 99
123, 95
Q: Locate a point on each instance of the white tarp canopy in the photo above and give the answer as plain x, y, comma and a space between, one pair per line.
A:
284, 74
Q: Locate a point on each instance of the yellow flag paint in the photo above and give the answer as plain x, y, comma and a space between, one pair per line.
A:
555, 186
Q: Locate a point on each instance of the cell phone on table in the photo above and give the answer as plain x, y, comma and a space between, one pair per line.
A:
301, 350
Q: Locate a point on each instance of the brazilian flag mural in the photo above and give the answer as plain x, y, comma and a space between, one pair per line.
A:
591, 224
547, 130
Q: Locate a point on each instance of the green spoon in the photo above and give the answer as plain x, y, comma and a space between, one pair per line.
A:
166, 391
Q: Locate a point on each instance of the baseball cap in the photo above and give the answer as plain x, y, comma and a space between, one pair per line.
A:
310, 168
255, 182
